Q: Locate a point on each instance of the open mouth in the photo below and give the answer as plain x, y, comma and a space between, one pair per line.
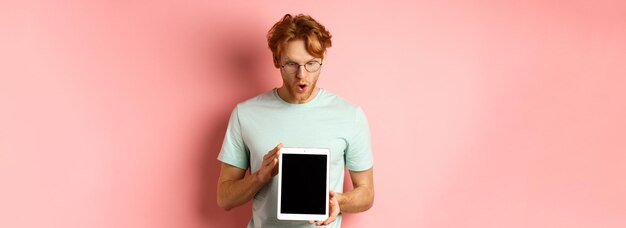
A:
301, 87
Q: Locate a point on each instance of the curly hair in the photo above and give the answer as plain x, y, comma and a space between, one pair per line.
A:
304, 27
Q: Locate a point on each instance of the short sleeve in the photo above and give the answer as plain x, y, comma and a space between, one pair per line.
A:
233, 150
359, 152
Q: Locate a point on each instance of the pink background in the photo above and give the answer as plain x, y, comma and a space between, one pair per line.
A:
483, 114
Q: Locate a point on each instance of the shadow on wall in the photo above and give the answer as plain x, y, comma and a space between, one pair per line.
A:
236, 56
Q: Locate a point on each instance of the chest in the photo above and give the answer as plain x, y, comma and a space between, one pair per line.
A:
261, 133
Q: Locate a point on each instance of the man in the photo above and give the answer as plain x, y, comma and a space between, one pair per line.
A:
298, 114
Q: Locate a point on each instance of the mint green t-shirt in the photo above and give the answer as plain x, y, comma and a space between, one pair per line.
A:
327, 121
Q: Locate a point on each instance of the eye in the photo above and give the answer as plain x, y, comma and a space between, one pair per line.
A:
312, 63
291, 64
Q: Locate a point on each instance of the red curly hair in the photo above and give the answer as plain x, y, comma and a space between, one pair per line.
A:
303, 27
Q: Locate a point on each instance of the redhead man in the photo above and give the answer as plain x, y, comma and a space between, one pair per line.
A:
298, 114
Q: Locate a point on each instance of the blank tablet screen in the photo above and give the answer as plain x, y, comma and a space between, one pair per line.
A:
303, 184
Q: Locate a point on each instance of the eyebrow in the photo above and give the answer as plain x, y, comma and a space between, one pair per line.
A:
289, 60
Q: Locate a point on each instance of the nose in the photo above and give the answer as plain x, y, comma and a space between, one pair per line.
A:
301, 73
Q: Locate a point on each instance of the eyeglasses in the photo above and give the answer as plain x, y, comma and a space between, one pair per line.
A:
291, 67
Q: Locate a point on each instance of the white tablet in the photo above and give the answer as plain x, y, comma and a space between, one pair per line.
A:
303, 184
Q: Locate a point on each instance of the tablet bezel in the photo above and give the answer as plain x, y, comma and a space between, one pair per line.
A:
305, 217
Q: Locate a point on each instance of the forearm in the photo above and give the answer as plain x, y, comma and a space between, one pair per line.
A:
358, 200
233, 193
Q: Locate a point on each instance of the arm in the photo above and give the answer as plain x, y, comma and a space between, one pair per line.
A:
234, 188
361, 198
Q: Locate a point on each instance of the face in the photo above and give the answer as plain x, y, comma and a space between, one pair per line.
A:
298, 87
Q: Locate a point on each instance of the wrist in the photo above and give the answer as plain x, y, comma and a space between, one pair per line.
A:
340, 198
256, 179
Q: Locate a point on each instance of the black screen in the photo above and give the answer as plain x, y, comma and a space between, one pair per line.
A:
303, 184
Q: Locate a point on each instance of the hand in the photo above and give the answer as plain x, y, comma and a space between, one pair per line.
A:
269, 167
334, 210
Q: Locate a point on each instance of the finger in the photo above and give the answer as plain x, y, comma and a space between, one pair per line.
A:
271, 153
311, 221
276, 149
268, 164
267, 161
272, 156
329, 220
271, 163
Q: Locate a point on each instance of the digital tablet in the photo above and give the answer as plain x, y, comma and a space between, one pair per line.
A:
303, 184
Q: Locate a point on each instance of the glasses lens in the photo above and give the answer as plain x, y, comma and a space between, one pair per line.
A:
291, 67
312, 66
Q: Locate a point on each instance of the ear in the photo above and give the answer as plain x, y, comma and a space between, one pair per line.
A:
324, 57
